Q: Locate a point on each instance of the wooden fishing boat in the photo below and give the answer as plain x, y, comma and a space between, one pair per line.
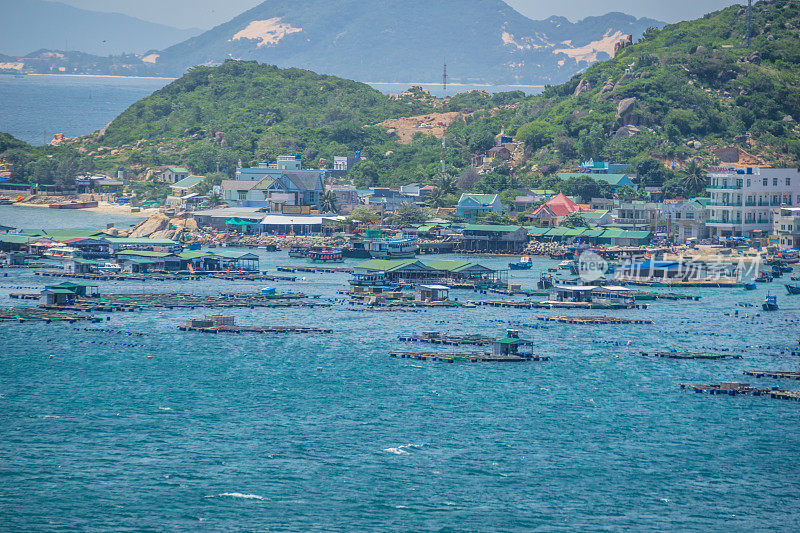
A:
770, 303
523, 264
793, 289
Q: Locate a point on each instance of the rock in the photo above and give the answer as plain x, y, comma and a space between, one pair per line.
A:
754, 58
582, 87
694, 144
58, 139
622, 79
627, 131
787, 118
163, 234
700, 50
625, 111
157, 222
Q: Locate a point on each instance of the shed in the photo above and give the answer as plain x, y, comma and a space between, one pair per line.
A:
510, 344
433, 293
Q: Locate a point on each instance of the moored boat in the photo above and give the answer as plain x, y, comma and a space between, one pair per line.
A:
770, 303
325, 256
750, 286
523, 264
793, 289
393, 249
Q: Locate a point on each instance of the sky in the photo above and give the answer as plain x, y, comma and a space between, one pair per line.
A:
209, 13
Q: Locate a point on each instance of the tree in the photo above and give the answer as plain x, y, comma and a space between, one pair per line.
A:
214, 199
651, 173
329, 202
626, 193
437, 198
695, 178
363, 215
468, 178
446, 183
574, 220
409, 214
495, 218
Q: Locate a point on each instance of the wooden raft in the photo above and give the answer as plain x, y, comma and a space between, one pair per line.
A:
679, 354
587, 320
468, 357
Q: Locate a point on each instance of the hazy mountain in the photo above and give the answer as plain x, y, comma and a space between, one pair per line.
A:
28, 25
408, 40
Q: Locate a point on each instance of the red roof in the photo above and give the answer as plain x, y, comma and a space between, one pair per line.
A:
559, 205
70, 241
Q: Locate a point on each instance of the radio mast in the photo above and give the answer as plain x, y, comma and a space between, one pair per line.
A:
749, 21
444, 115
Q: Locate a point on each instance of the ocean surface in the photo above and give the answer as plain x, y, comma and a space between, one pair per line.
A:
33, 218
34, 108
328, 433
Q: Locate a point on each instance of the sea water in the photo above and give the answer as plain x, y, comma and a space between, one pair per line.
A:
329, 433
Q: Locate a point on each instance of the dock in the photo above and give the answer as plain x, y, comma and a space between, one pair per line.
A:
468, 357
170, 276
255, 329
774, 374
528, 304
592, 320
315, 269
29, 314
729, 388
681, 354
130, 302
448, 340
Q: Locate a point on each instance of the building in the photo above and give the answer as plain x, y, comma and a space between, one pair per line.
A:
551, 213
88, 184
386, 200
439, 272
742, 200
499, 152
599, 217
183, 193
637, 215
273, 185
174, 174
494, 238
786, 227
341, 166
602, 167
346, 197
615, 181
296, 224
687, 220
471, 206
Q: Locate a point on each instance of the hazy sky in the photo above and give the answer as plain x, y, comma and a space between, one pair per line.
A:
209, 13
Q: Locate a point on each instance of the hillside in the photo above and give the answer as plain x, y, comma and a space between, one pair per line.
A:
673, 97
29, 25
483, 41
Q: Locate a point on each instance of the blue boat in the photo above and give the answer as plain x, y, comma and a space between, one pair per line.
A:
750, 286
770, 303
523, 264
793, 289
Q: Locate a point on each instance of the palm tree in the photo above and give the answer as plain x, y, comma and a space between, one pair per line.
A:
214, 199
695, 178
329, 202
446, 184
436, 198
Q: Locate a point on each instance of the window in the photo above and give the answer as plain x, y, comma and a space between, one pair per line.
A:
764, 182
242, 195
774, 182
689, 216
788, 181
748, 182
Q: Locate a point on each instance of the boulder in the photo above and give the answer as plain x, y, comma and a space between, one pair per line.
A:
625, 111
163, 234
694, 144
627, 131
787, 118
157, 222
582, 87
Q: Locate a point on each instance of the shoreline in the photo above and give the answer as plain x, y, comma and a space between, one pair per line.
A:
104, 208
102, 76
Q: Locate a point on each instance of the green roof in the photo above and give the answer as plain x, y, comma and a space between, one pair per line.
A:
593, 232
179, 170
636, 234
613, 233
235, 221
143, 253
450, 266
594, 215
536, 229
13, 238
63, 234
386, 265
511, 340
611, 179
233, 254
542, 192
68, 284
59, 291
85, 261
700, 203
188, 183
193, 254
141, 260
139, 240
491, 227
478, 198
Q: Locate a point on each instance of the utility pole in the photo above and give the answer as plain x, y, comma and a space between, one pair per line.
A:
749, 21
444, 115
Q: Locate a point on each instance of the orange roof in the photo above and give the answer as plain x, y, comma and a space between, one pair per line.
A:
559, 206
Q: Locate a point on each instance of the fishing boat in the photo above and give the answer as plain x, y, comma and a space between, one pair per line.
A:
566, 264
763, 277
325, 256
545, 282
770, 303
749, 286
793, 289
297, 250
523, 264
394, 249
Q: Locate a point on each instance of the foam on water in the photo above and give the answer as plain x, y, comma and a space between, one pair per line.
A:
240, 496
402, 450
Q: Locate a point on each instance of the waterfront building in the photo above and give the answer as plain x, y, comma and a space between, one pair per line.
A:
174, 174
602, 167
786, 227
346, 197
412, 270
637, 215
470, 206
386, 200
551, 213
687, 219
494, 238
274, 185
742, 200
615, 181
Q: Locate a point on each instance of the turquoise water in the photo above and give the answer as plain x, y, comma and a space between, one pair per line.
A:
32, 217
242, 432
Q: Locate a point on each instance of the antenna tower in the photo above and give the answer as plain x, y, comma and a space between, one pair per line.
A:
749, 21
444, 115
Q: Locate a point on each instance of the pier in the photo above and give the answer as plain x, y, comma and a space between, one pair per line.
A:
130, 302
255, 329
592, 320
774, 374
468, 357
28, 314
433, 337
681, 354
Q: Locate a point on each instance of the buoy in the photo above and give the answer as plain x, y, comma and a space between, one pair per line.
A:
319, 369
52, 356
149, 356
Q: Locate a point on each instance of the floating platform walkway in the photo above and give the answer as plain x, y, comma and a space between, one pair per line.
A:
681, 354
468, 357
712, 284
774, 374
171, 276
592, 320
315, 269
32, 314
527, 304
448, 340
255, 329
130, 302
729, 388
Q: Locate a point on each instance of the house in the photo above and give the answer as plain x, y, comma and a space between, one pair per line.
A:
346, 197
341, 166
217, 218
274, 185
88, 184
296, 224
602, 167
637, 215
615, 181
174, 174
599, 217
687, 220
499, 152
386, 200
494, 238
742, 200
184, 193
186, 185
786, 227
117, 244
471, 206
551, 213
412, 189
406, 270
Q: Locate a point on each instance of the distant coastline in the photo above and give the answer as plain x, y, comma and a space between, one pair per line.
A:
101, 76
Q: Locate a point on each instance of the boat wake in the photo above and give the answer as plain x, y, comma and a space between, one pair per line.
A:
402, 450
239, 495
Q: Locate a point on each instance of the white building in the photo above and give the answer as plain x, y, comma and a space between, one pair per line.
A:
687, 219
742, 200
786, 227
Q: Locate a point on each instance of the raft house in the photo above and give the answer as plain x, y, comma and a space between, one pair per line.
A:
605, 236
67, 292
411, 271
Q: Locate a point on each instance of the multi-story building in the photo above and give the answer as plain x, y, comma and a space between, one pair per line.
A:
637, 215
786, 226
686, 219
275, 185
742, 200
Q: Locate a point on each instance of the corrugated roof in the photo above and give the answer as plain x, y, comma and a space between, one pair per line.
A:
15, 239
179, 170
188, 183
193, 254
304, 180
139, 240
611, 179
143, 253
450, 266
387, 265
480, 199
491, 227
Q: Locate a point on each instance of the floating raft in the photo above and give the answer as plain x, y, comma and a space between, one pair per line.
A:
774, 374
527, 304
127, 302
26, 314
256, 329
662, 283
680, 354
19, 296
449, 340
731, 389
313, 269
652, 295
468, 357
170, 276
587, 320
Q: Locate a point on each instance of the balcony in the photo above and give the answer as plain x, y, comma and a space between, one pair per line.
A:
725, 204
723, 187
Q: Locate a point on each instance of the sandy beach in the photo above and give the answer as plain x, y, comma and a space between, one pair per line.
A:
103, 207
